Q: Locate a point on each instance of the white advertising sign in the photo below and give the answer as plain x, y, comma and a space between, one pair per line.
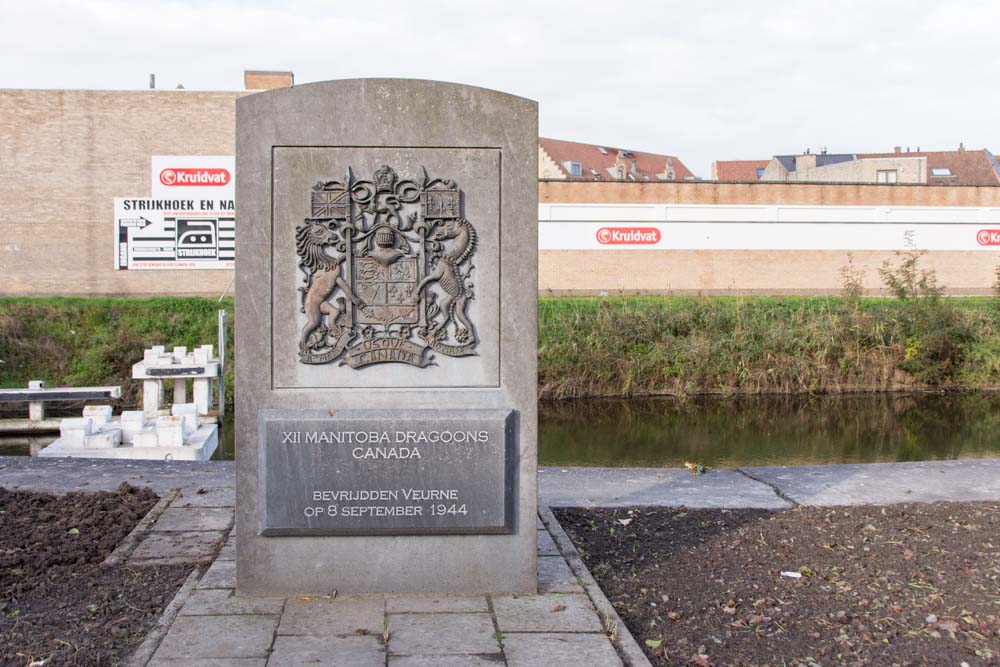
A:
175, 233
195, 176
688, 227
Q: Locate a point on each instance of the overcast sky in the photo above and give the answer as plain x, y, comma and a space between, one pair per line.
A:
700, 80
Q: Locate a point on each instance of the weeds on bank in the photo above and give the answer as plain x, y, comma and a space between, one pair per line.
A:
95, 341
634, 345
610, 346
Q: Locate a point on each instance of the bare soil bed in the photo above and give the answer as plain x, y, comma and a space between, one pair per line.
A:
58, 604
915, 584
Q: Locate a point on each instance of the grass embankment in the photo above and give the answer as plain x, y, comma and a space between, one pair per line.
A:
612, 346
685, 345
94, 341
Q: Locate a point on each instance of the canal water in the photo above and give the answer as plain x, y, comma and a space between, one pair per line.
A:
770, 430
726, 432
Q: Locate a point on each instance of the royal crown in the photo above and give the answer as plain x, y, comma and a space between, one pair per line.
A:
385, 179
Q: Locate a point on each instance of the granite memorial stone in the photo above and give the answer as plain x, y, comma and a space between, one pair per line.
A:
385, 331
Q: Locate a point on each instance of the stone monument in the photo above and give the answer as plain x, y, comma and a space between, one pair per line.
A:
386, 288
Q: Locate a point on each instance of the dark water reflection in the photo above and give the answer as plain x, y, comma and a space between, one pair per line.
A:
769, 430
724, 432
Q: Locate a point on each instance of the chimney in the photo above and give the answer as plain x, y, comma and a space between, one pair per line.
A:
152, 81
806, 161
961, 146
267, 80
897, 149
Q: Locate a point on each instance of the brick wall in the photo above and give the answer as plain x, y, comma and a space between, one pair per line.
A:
709, 192
744, 271
66, 154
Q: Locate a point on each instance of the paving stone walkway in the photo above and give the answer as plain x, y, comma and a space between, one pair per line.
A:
567, 623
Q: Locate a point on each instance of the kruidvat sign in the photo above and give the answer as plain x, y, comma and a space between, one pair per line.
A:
183, 176
988, 237
628, 236
193, 177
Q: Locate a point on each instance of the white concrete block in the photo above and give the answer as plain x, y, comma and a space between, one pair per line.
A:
180, 390
161, 361
188, 412
145, 438
179, 353
75, 430
151, 390
201, 355
133, 421
108, 439
101, 414
202, 394
169, 431
36, 409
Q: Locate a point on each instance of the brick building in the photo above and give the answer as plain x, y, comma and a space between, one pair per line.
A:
65, 155
559, 159
958, 167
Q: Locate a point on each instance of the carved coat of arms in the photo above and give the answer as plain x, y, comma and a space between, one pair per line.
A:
386, 266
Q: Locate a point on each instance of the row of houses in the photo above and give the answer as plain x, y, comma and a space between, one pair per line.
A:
568, 160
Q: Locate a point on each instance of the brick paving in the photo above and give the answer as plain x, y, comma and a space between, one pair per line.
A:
210, 625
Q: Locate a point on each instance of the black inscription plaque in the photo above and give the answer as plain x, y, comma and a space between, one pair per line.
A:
404, 472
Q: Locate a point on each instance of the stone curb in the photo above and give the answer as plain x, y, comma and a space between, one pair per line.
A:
147, 648
131, 541
628, 649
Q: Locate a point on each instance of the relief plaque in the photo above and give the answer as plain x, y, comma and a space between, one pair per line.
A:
369, 253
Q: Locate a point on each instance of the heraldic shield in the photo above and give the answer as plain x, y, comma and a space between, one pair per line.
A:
387, 271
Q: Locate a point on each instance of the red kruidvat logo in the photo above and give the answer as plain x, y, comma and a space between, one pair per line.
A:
201, 176
988, 237
628, 235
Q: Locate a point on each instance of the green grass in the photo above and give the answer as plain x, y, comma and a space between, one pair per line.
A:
620, 346
610, 346
95, 341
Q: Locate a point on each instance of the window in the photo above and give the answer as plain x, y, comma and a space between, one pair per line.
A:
575, 169
760, 172
602, 150
941, 171
885, 176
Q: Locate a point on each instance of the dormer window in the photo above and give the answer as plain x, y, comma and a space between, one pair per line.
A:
575, 169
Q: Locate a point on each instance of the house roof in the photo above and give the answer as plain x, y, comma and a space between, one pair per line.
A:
648, 165
742, 171
967, 167
822, 159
